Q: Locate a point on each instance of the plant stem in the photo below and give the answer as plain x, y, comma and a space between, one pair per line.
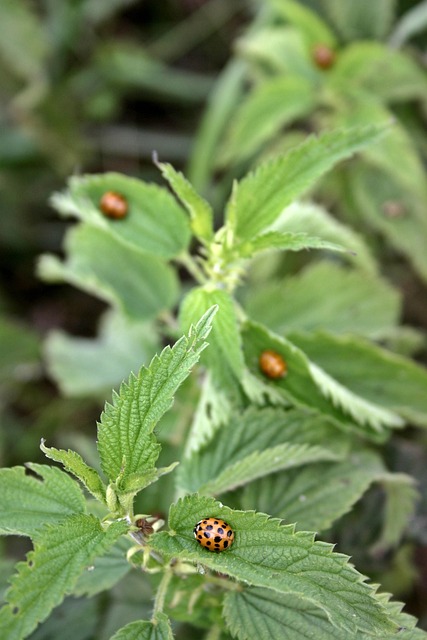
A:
192, 267
159, 601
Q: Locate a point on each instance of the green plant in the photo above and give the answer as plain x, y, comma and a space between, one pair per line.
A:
256, 443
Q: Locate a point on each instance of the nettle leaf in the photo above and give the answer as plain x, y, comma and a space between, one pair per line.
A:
286, 241
75, 464
224, 356
327, 296
387, 379
401, 498
268, 108
261, 614
127, 445
191, 600
363, 20
29, 501
315, 220
155, 223
298, 496
268, 554
139, 285
306, 384
307, 22
61, 553
90, 367
157, 629
262, 195
105, 571
199, 209
257, 443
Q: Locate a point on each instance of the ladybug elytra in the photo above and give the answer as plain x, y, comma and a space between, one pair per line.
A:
113, 205
214, 534
323, 56
272, 365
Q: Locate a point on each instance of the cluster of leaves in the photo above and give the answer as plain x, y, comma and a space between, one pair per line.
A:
259, 445
330, 64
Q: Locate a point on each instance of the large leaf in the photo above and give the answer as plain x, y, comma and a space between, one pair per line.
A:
127, 445
326, 296
262, 195
28, 501
139, 285
105, 571
257, 443
389, 380
90, 367
157, 629
61, 553
267, 554
155, 223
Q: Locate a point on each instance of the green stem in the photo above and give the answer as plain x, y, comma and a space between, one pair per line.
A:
192, 267
214, 633
159, 601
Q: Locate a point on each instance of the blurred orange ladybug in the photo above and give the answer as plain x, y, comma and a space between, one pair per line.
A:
113, 205
323, 56
272, 365
214, 534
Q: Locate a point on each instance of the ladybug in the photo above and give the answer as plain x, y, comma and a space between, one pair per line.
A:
214, 534
323, 56
272, 365
113, 205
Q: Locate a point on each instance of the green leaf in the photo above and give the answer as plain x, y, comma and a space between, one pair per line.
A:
74, 463
309, 386
262, 614
286, 241
262, 195
257, 443
19, 350
61, 553
326, 296
126, 443
267, 554
29, 501
307, 22
155, 223
382, 377
158, 629
139, 285
224, 356
361, 20
89, 367
105, 571
199, 209
23, 42
412, 22
315, 220
402, 496
267, 109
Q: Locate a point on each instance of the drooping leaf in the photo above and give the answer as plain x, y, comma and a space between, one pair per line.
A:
387, 379
127, 445
257, 443
155, 223
105, 571
138, 285
75, 464
326, 296
29, 501
224, 356
90, 367
199, 209
268, 554
262, 195
61, 553
157, 629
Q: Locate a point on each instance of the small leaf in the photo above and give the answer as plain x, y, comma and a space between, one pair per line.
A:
28, 502
199, 209
126, 443
61, 553
286, 241
401, 499
74, 463
154, 223
362, 304
267, 554
158, 629
262, 195
139, 285
224, 357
